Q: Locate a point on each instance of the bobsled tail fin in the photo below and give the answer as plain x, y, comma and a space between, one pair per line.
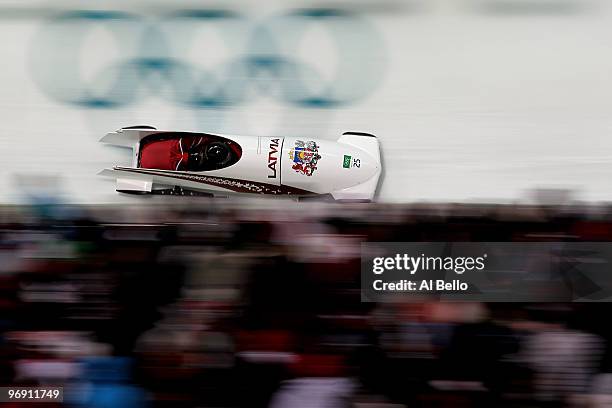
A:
128, 136
367, 143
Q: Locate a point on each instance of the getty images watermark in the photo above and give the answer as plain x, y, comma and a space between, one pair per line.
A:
486, 271
413, 264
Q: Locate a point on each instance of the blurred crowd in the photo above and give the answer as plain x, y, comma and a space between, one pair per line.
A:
213, 304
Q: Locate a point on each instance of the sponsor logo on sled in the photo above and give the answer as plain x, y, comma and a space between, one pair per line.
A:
347, 162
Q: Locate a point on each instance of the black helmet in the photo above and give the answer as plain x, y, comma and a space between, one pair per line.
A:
217, 153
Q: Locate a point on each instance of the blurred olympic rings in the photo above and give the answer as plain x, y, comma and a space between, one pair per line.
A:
235, 61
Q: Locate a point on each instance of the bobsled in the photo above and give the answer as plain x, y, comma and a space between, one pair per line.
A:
193, 163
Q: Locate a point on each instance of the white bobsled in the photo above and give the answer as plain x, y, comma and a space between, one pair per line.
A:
173, 162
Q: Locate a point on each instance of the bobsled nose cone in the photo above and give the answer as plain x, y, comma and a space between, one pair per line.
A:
369, 167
